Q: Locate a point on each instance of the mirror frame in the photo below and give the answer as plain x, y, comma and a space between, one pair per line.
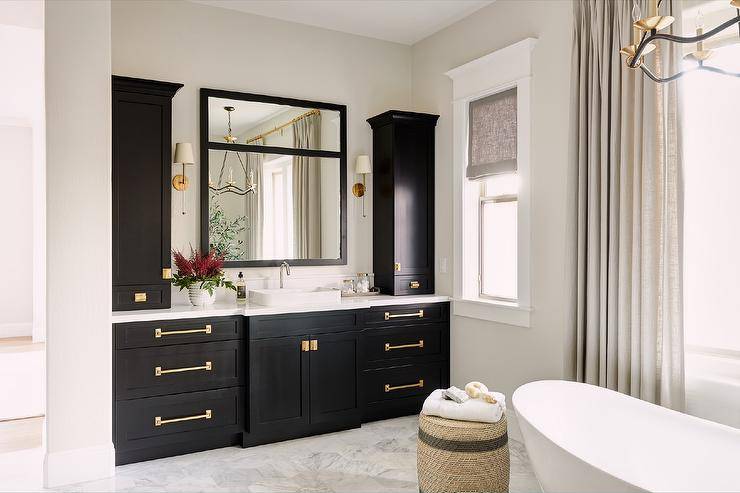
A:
206, 145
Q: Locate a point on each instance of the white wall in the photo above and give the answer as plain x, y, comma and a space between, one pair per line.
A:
22, 168
79, 363
503, 356
203, 46
16, 293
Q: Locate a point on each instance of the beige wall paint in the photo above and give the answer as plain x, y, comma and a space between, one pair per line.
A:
78, 234
503, 356
203, 46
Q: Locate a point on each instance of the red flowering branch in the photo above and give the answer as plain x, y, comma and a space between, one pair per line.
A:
205, 270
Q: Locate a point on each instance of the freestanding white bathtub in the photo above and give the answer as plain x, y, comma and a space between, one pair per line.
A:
583, 438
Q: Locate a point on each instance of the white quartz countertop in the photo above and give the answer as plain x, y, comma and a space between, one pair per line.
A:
223, 309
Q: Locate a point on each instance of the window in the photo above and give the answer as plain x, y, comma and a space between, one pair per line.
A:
491, 130
498, 238
711, 237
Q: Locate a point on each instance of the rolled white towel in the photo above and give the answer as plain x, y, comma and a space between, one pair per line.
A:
470, 410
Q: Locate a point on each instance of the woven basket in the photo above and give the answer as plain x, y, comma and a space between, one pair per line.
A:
462, 456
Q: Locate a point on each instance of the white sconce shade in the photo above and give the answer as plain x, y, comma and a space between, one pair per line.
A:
183, 153
362, 165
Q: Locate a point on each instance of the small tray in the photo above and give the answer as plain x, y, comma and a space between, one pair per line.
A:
361, 295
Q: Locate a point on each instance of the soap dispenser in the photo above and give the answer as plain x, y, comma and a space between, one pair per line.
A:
241, 289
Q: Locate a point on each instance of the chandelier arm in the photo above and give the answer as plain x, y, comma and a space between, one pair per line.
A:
660, 80
647, 38
717, 70
695, 39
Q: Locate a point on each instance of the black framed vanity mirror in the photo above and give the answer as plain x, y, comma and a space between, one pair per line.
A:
273, 179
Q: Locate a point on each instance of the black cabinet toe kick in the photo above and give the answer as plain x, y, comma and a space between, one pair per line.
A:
255, 380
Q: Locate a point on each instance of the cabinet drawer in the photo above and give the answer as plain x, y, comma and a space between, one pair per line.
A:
144, 297
157, 421
416, 284
407, 314
401, 381
168, 332
145, 372
403, 342
269, 326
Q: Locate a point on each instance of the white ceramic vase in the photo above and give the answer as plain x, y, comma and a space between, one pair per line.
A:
201, 297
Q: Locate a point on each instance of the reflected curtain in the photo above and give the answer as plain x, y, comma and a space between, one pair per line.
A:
627, 317
255, 205
307, 189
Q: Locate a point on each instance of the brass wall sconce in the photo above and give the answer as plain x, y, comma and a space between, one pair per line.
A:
362, 167
184, 157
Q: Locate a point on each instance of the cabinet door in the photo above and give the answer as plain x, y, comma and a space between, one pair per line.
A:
414, 198
278, 384
141, 200
334, 373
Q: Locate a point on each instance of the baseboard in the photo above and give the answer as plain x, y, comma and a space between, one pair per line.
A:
78, 465
16, 330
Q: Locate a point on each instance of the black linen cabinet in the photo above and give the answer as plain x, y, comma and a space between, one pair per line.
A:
403, 202
142, 167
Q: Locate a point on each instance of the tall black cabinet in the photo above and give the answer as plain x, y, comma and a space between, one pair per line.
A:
403, 202
142, 162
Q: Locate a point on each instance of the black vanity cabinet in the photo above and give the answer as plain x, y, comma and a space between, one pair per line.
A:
403, 202
178, 386
303, 372
185, 385
142, 167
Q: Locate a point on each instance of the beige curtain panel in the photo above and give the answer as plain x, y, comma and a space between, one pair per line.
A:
627, 318
492, 135
307, 189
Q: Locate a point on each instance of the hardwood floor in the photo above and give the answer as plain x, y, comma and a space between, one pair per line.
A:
21, 434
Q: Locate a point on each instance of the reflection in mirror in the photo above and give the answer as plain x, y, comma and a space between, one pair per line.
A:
256, 123
274, 206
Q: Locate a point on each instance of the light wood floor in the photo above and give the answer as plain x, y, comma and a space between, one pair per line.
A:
21, 434
20, 344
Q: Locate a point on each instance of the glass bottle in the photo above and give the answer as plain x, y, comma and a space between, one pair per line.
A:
241, 289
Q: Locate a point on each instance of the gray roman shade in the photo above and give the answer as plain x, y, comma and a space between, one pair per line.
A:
492, 135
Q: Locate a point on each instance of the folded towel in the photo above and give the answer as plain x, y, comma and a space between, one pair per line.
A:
470, 410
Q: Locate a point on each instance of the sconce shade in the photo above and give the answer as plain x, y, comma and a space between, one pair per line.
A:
183, 153
363, 166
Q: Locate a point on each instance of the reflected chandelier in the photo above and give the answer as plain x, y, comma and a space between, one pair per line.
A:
231, 186
645, 31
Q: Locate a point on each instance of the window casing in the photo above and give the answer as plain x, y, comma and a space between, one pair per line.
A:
491, 223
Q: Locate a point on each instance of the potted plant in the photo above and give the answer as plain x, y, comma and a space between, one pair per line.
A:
200, 275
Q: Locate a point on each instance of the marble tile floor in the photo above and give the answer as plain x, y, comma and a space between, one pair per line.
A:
379, 457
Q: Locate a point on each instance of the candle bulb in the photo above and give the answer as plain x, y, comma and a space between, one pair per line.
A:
231, 175
699, 30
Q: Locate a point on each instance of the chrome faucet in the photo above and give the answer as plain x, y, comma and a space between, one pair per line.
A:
285, 265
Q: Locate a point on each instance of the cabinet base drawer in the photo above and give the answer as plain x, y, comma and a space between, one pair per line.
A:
143, 297
384, 346
191, 418
415, 284
148, 372
386, 384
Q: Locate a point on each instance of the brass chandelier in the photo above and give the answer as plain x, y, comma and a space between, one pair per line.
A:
645, 31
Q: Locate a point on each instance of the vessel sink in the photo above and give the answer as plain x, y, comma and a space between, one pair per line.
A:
295, 296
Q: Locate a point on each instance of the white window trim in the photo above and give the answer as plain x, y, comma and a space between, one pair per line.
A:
498, 71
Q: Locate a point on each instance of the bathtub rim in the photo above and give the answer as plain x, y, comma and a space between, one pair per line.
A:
520, 416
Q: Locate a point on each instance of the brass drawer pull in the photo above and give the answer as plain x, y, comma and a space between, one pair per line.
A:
414, 285
419, 344
419, 314
159, 332
314, 345
419, 384
158, 371
139, 297
305, 346
158, 421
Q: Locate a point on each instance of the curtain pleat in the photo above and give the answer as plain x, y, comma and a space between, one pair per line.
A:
628, 315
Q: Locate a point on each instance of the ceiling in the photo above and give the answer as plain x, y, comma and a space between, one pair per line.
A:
401, 21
